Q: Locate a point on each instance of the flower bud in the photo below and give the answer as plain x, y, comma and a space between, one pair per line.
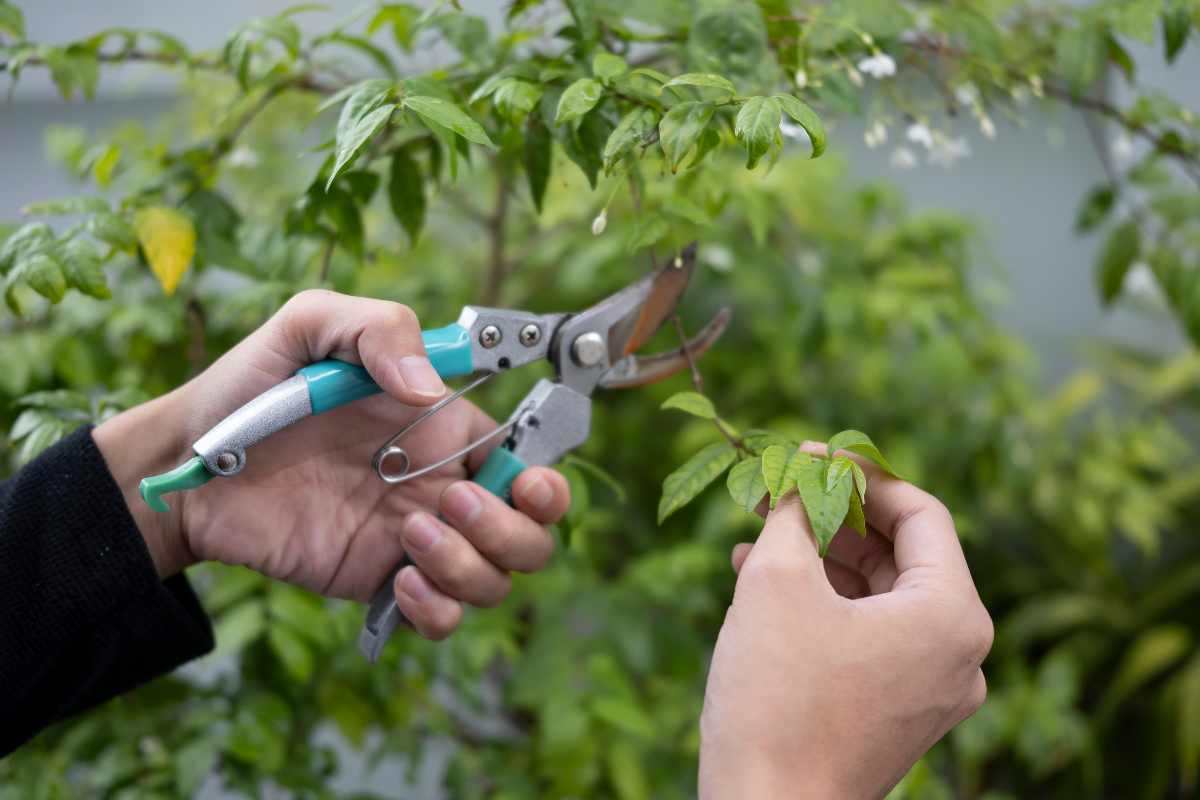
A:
600, 222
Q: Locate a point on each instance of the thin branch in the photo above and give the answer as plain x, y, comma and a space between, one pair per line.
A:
326, 258
497, 265
197, 343
697, 378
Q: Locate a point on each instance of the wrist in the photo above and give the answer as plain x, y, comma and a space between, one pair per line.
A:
754, 774
148, 440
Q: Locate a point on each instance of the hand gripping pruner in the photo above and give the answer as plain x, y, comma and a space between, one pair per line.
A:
588, 349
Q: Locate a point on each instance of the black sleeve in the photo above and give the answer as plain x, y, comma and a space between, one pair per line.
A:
83, 614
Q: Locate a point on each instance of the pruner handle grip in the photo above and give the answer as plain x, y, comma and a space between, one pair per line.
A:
384, 616
314, 389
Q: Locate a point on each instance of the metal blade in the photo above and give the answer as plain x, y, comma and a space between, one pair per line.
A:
661, 294
632, 371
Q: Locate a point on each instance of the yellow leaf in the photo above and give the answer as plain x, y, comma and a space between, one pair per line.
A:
168, 239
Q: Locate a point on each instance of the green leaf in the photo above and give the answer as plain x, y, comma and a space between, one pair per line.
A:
1176, 25
838, 469
1120, 250
860, 481
360, 98
693, 477
680, 129
448, 115
757, 125
295, 608
630, 132
112, 229
1189, 722
584, 144
826, 510
514, 97
68, 205
401, 17
649, 231
30, 238
43, 274
12, 21
625, 715
746, 484
859, 442
806, 118
781, 465
578, 99
607, 66
240, 627
292, 652
692, 403
855, 516
539, 157
105, 165
624, 761
705, 80
81, 267
350, 141
406, 193
1080, 55
1095, 207
1154, 650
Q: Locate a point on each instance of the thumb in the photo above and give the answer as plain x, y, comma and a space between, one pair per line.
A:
382, 336
785, 544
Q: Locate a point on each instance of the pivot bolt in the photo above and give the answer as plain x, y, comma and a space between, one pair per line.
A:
490, 336
226, 461
588, 349
530, 335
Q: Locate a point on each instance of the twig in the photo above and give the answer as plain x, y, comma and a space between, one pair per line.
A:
697, 378
326, 258
197, 349
497, 266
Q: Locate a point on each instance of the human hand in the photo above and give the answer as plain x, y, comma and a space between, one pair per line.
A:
831, 679
308, 508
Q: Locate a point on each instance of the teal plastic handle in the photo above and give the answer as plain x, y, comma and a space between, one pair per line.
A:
333, 383
499, 471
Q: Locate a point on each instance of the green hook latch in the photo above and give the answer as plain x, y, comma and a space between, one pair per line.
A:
188, 475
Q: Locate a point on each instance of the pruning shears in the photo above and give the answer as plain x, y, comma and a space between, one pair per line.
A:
589, 349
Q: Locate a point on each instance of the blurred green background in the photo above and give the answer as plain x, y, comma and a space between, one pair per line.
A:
1071, 486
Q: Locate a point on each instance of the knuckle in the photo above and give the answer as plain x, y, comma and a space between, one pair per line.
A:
977, 634
402, 316
978, 694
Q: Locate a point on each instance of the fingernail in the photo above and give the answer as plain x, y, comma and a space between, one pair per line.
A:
461, 504
420, 376
421, 533
538, 492
413, 584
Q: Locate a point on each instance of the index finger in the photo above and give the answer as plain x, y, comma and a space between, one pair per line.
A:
917, 523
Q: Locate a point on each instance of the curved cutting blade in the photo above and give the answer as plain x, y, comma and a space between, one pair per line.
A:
659, 295
633, 370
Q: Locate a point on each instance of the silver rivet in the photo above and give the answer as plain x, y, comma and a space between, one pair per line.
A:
530, 335
490, 336
588, 349
226, 461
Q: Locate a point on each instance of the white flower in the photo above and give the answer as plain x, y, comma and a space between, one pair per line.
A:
987, 127
1035, 83
966, 94
1020, 95
854, 75
919, 133
801, 79
1122, 149
946, 151
878, 66
717, 256
875, 135
242, 156
1141, 283
903, 158
600, 222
